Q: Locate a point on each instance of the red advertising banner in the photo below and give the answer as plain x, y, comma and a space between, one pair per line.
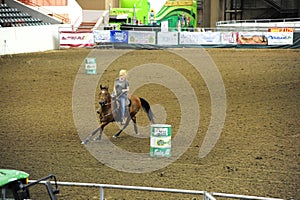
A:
76, 39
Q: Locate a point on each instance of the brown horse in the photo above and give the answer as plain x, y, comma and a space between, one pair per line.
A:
108, 112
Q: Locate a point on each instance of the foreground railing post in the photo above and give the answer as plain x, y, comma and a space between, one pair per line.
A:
101, 193
208, 196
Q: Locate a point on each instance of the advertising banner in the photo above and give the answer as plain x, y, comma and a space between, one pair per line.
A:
200, 38
179, 3
257, 38
228, 37
141, 37
101, 36
164, 26
76, 39
160, 140
119, 36
189, 38
280, 38
167, 38
277, 29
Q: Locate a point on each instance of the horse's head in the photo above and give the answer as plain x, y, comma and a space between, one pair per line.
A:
104, 96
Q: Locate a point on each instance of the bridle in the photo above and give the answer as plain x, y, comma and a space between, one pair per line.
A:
104, 105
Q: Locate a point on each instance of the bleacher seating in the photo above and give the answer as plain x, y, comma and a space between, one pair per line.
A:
12, 17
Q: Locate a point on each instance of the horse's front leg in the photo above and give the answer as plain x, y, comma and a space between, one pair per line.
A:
88, 138
122, 129
102, 125
100, 135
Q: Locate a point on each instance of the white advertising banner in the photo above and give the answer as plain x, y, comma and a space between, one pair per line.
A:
167, 38
101, 35
190, 38
228, 38
76, 39
200, 38
280, 38
141, 37
164, 26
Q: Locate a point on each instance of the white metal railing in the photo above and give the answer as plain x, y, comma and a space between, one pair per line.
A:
258, 21
258, 24
206, 195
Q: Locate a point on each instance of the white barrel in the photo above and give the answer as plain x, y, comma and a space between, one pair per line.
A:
90, 66
160, 140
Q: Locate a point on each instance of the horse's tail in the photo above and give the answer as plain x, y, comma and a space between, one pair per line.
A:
147, 109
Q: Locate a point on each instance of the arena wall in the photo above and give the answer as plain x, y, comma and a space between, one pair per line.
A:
15, 40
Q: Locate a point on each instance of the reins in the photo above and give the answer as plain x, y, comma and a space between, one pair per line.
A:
107, 104
112, 111
110, 103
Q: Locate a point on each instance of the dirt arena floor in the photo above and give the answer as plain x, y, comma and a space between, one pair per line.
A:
258, 152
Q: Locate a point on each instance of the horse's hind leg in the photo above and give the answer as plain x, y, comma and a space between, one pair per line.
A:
134, 125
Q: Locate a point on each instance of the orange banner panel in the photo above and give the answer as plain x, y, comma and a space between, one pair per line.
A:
252, 38
281, 29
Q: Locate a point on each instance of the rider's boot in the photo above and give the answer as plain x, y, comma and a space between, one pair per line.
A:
123, 121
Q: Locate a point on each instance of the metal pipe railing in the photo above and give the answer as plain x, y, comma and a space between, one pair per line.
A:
206, 195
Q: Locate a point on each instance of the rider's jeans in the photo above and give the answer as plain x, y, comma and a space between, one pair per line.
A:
122, 99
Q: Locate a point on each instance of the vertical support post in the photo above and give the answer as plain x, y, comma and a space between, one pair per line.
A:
208, 196
101, 193
134, 15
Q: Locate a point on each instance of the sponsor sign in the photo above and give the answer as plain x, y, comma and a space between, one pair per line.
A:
228, 38
76, 39
200, 38
179, 3
90, 66
256, 38
101, 36
275, 29
167, 38
164, 26
141, 37
280, 38
119, 36
160, 141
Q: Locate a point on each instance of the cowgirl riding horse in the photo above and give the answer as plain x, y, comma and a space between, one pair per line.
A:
108, 112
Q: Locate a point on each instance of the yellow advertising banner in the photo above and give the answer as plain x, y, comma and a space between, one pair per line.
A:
179, 3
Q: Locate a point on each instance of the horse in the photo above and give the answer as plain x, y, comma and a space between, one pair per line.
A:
108, 112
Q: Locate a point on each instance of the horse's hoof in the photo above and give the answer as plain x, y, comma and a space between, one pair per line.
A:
84, 142
97, 139
115, 136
